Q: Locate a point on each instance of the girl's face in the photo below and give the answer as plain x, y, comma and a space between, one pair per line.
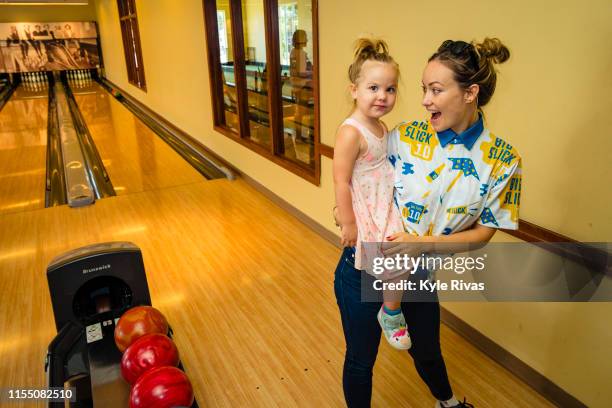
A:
376, 89
449, 104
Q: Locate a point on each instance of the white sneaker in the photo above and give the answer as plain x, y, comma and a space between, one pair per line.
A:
459, 404
394, 330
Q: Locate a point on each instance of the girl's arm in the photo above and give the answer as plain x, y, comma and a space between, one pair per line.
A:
346, 151
473, 238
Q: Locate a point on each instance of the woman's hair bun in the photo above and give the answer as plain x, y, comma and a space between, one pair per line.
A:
493, 49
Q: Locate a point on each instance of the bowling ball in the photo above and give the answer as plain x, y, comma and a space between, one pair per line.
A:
137, 322
162, 387
148, 352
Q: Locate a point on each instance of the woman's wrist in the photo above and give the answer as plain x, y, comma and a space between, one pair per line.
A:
427, 243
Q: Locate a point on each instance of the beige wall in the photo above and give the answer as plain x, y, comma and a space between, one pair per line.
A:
553, 92
47, 13
552, 103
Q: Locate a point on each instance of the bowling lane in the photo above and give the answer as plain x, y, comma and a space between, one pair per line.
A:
135, 158
23, 145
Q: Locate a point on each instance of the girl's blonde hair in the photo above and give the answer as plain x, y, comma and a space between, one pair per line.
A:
369, 49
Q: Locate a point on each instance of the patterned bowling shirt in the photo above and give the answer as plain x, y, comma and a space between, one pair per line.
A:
445, 182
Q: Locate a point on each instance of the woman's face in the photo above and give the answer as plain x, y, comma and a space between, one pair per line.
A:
447, 102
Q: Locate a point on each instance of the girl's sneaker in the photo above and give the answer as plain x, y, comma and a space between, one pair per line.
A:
394, 330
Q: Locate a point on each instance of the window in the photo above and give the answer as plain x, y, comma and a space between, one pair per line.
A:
131, 43
263, 63
222, 35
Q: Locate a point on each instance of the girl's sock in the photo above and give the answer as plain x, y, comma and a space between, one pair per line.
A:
392, 312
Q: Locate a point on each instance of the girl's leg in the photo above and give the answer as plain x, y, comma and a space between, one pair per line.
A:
361, 332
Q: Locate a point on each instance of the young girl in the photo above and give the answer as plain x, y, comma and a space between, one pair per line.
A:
363, 176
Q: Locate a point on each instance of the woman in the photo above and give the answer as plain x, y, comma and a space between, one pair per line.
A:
455, 182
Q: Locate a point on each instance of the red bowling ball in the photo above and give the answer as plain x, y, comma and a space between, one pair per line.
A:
148, 352
162, 387
137, 322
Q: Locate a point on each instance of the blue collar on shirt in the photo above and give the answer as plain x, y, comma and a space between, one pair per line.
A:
466, 138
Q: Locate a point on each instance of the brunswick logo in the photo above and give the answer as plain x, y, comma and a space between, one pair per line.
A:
96, 269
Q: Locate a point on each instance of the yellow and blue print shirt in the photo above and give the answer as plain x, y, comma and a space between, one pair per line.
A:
445, 182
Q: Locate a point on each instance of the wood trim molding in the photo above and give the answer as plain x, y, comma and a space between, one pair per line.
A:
326, 150
317, 91
239, 68
275, 103
534, 233
214, 62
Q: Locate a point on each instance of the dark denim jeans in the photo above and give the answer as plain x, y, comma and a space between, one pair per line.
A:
362, 335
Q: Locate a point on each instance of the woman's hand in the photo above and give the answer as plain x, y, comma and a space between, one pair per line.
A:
404, 243
402, 237
349, 235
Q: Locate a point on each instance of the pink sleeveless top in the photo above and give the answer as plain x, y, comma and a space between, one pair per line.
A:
371, 187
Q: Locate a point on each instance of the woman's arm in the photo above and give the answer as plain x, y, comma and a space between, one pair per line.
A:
473, 238
346, 151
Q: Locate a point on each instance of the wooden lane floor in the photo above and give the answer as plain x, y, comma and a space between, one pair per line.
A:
247, 288
134, 156
23, 146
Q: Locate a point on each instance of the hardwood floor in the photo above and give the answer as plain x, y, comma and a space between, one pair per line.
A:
247, 289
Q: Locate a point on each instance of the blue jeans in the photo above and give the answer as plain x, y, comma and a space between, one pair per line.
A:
362, 335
